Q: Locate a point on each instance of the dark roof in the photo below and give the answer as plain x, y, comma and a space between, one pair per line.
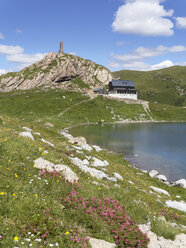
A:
123, 83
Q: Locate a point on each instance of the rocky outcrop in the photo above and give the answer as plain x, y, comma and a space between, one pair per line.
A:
57, 70
160, 242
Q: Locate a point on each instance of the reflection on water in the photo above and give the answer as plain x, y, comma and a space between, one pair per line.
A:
160, 146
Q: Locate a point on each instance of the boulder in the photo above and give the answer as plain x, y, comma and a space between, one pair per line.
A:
66, 172
48, 124
118, 176
63, 169
41, 163
160, 242
162, 178
27, 129
153, 173
162, 191
47, 142
81, 141
97, 148
99, 243
27, 135
180, 183
99, 163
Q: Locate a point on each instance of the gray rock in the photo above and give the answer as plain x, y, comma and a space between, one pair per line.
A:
27, 129
118, 176
48, 124
117, 185
37, 133
99, 243
61, 68
41, 163
162, 178
66, 172
27, 135
81, 141
162, 191
153, 173
63, 169
181, 183
47, 142
99, 163
160, 242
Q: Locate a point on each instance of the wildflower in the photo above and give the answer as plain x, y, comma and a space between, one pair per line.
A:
16, 175
13, 194
67, 233
34, 165
1, 237
51, 245
9, 160
99, 188
2, 193
16, 238
36, 195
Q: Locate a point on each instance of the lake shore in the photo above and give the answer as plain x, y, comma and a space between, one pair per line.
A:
160, 176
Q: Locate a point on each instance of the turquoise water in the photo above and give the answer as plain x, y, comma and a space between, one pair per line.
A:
160, 146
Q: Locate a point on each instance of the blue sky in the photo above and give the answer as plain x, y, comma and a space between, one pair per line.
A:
119, 34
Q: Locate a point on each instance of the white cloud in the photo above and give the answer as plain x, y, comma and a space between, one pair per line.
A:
3, 71
163, 64
136, 60
10, 50
120, 43
19, 31
113, 65
1, 36
142, 66
142, 53
144, 17
73, 53
181, 22
25, 58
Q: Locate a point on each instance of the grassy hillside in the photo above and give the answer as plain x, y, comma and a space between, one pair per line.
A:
42, 209
166, 86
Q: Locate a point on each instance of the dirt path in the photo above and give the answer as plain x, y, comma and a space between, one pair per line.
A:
74, 106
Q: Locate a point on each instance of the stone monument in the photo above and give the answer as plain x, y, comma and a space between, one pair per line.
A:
61, 50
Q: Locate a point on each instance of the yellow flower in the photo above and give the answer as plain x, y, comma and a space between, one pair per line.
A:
66, 233
36, 195
99, 188
34, 165
16, 238
9, 160
13, 194
76, 181
16, 175
2, 193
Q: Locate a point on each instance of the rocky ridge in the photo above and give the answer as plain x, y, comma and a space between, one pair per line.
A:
57, 70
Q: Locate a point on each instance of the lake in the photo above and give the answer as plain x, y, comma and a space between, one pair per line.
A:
159, 146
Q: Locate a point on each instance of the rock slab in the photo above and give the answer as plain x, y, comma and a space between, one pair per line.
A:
99, 243
63, 169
